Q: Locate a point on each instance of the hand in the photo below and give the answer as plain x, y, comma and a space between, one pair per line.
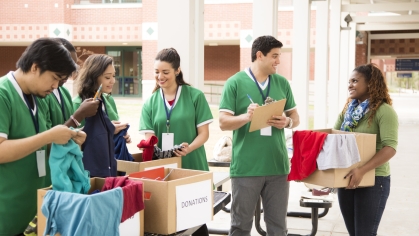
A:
250, 109
80, 137
119, 126
278, 122
127, 138
355, 176
184, 151
87, 108
60, 134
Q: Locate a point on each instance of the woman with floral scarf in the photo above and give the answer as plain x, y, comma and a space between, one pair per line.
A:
368, 110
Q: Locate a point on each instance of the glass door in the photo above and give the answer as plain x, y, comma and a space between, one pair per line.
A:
128, 71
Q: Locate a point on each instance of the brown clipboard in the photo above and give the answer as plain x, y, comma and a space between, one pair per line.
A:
262, 114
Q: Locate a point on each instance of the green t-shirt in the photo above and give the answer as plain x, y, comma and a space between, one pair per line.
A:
58, 114
385, 125
190, 111
19, 180
254, 154
110, 106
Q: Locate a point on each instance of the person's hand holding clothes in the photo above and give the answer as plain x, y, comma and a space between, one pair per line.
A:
87, 108
80, 137
60, 134
183, 151
119, 126
127, 138
278, 122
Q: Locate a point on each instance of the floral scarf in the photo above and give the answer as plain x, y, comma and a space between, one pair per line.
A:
354, 114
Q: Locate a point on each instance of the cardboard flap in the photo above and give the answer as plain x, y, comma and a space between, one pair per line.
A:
153, 174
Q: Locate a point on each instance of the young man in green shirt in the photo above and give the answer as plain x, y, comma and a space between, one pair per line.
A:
60, 102
259, 165
24, 130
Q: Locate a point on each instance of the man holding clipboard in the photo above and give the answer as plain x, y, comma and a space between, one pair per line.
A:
259, 165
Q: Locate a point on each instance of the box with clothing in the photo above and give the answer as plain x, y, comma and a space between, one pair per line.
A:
113, 206
139, 164
176, 199
325, 156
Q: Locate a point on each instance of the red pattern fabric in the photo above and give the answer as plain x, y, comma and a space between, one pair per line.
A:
307, 146
148, 147
133, 194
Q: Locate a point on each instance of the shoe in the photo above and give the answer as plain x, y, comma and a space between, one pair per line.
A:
32, 228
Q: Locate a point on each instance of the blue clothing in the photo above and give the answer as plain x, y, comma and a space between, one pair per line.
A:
78, 214
362, 208
67, 169
121, 150
98, 149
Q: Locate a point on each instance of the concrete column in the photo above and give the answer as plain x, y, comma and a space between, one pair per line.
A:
300, 58
265, 18
149, 46
347, 60
181, 26
333, 99
321, 70
264, 22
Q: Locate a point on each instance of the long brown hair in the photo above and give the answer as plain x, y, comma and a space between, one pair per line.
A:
171, 56
92, 69
377, 88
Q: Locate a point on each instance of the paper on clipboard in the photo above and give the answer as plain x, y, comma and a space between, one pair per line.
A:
262, 114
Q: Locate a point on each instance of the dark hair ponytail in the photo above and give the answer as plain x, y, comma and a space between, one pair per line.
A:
171, 56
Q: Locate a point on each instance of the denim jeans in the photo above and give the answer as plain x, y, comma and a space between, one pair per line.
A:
362, 208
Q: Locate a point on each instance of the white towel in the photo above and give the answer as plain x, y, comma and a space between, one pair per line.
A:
339, 151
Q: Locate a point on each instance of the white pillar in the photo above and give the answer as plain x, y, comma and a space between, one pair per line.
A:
265, 18
333, 99
181, 25
301, 58
321, 70
347, 61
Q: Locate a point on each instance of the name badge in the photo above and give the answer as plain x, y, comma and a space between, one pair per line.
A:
168, 141
266, 131
40, 161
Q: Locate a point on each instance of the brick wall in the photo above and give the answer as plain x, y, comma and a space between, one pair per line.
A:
107, 16
394, 46
230, 12
361, 54
41, 12
9, 57
221, 62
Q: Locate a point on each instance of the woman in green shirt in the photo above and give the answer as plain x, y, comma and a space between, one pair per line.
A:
368, 110
177, 113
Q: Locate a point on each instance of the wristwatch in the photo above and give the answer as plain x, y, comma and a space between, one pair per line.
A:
290, 124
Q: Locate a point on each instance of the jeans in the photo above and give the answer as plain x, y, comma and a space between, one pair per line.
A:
362, 208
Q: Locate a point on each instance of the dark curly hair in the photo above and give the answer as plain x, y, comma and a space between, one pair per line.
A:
93, 67
377, 88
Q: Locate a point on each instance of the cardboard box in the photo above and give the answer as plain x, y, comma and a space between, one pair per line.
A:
334, 178
135, 223
181, 201
138, 164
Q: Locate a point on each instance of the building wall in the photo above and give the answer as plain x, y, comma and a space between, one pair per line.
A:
222, 22
8, 58
221, 62
394, 46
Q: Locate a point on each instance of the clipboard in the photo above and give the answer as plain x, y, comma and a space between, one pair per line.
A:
262, 114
